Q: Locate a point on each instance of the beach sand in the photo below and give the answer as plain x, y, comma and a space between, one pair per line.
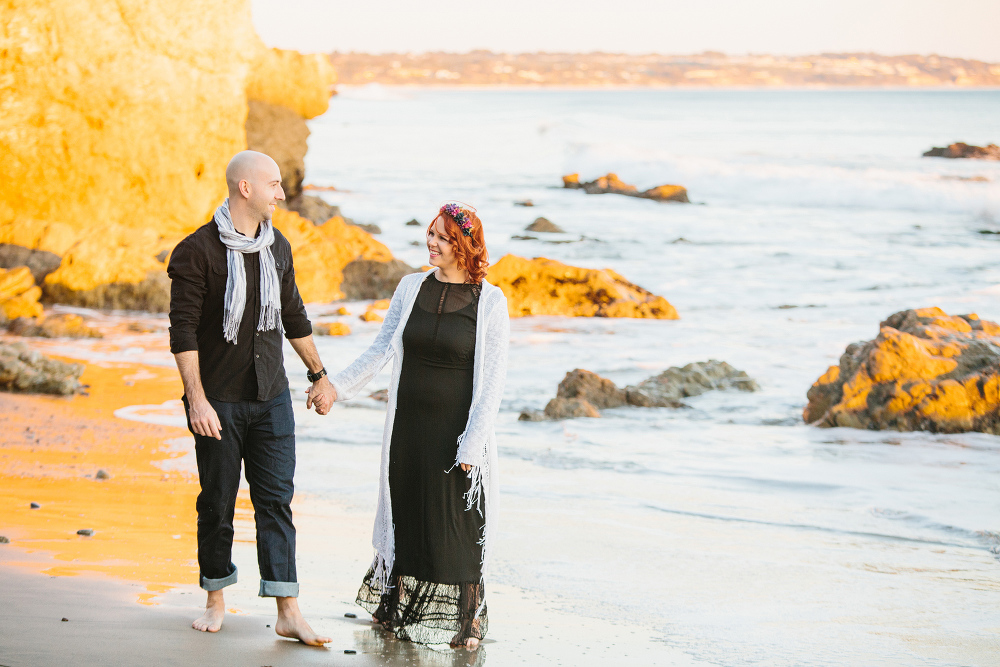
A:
129, 590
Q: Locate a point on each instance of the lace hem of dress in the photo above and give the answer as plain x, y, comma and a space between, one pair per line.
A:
426, 612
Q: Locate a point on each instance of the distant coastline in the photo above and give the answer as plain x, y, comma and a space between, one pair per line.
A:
705, 70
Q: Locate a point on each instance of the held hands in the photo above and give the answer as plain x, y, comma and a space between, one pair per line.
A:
321, 395
204, 419
465, 467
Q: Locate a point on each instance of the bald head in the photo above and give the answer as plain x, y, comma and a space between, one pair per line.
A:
253, 167
254, 182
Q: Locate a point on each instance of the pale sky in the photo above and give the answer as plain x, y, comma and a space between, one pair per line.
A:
960, 28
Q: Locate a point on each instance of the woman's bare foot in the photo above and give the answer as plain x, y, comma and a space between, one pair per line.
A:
469, 643
291, 624
215, 610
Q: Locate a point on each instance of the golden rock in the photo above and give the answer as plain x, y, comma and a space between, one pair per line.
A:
320, 253
546, 287
18, 293
331, 329
926, 371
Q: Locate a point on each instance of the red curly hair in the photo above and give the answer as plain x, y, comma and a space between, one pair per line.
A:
470, 251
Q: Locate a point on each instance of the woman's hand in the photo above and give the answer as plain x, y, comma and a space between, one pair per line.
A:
465, 467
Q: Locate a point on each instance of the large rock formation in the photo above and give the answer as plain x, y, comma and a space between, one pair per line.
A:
26, 370
119, 119
960, 150
373, 279
278, 131
546, 287
583, 393
925, 371
611, 184
39, 262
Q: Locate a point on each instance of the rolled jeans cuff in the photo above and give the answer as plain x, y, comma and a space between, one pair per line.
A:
278, 589
219, 584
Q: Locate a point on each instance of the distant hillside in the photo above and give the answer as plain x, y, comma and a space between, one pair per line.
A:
705, 69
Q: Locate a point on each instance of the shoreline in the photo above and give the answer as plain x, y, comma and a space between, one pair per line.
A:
682, 87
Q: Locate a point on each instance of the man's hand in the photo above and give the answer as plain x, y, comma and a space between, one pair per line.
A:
204, 419
321, 395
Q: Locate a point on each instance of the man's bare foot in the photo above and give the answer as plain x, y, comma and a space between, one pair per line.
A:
291, 624
215, 609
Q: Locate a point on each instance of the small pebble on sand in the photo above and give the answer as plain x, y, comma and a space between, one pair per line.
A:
350, 615
35, 506
65, 619
101, 474
86, 532
350, 651
4, 540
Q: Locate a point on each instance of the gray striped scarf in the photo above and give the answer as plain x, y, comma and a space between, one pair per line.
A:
236, 283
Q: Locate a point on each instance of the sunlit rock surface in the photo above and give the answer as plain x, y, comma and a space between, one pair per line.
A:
926, 371
18, 294
611, 184
546, 287
118, 120
321, 252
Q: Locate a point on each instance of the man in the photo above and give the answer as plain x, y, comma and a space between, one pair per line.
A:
232, 296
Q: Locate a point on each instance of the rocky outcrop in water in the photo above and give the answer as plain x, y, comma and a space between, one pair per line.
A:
278, 131
584, 394
546, 287
119, 119
611, 184
545, 226
960, 150
26, 370
695, 379
39, 262
925, 371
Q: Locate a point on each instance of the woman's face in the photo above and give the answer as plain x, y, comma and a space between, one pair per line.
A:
439, 245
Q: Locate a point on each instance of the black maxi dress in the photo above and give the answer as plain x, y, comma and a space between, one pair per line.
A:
436, 582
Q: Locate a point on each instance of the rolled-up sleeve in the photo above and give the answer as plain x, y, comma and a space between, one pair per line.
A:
188, 285
293, 311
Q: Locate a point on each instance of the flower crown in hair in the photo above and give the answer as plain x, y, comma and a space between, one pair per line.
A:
461, 216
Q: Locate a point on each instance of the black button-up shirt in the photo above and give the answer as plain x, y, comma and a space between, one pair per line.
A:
253, 368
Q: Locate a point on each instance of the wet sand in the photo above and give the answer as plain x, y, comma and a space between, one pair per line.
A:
130, 589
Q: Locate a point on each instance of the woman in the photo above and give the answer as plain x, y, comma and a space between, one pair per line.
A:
448, 330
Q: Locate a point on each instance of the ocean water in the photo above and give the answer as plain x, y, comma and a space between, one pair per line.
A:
730, 532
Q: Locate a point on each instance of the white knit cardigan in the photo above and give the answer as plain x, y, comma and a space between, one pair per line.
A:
476, 445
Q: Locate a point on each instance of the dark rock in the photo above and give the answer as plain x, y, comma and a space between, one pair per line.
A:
86, 532
592, 388
312, 208
368, 227
161, 256
350, 651
673, 384
350, 615
518, 237
35, 506
25, 370
40, 262
380, 395
101, 474
151, 295
281, 133
4, 540
413, 223
371, 279
63, 325
527, 202
961, 150
570, 408
65, 620
532, 416
544, 225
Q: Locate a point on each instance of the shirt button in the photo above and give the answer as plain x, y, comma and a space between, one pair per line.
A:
256, 334
256, 356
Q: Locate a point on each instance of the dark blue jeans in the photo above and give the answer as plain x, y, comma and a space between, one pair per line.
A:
260, 434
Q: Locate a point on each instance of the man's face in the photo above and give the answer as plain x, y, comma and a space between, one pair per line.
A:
263, 191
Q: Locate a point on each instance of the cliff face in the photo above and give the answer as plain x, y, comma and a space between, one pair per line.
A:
925, 371
546, 287
119, 117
